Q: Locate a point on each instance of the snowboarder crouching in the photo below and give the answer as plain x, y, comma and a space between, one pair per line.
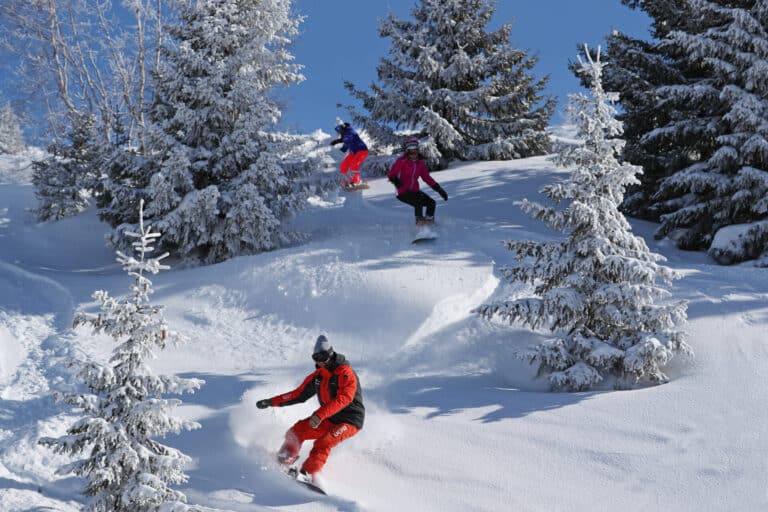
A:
405, 174
358, 152
339, 417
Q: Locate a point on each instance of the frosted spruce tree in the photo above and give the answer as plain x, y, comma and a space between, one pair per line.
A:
63, 181
726, 185
11, 139
219, 184
597, 288
661, 136
124, 179
464, 87
126, 469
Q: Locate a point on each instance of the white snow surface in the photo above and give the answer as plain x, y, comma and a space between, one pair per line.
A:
454, 422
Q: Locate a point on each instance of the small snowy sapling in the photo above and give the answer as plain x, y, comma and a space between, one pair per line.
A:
126, 469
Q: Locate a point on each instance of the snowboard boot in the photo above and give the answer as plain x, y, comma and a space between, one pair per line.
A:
351, 185
419, 220
301, 475
429, 220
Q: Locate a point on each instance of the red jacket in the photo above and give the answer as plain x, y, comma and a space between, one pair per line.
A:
409, 171
337, 389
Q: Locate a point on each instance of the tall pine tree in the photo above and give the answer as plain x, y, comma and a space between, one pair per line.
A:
596, 289
451, 80
694, 103
63, 181
125, 467
659, 135
218, 182
726, 185
124, 178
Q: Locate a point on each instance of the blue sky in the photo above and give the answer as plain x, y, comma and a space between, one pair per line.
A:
339, 41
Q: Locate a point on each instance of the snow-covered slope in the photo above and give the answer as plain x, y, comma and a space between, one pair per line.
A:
454, 422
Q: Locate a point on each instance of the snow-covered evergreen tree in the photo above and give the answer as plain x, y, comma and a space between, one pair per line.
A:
597, 288
695, 104
637, 69
124, 179
125, 467
11, 139
219, 184
465, 88
726, 185
64, 180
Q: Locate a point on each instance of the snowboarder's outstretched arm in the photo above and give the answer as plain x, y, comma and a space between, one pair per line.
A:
437, 188
429, 180
301, 394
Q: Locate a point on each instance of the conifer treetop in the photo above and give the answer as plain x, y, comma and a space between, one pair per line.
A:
464, 89
143, 246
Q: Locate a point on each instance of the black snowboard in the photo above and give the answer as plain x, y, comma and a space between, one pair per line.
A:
293, 473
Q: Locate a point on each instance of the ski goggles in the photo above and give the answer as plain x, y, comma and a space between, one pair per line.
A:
321, 357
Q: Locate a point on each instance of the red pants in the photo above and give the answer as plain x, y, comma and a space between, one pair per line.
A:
326, 435
352, 162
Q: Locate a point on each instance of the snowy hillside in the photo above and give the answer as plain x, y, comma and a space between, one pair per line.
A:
454, 422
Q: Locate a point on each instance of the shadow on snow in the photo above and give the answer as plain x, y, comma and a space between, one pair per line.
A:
447, 395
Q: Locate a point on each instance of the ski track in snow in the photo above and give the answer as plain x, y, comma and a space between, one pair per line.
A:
34, 311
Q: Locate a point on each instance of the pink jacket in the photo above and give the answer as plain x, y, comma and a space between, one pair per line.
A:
409, 171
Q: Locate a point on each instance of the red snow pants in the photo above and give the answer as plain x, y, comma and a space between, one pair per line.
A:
327, 435
352, 162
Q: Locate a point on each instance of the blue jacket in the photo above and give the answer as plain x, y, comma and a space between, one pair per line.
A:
352, 141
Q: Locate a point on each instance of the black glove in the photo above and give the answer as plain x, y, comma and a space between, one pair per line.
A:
396, 181
263, 404
343, 148
335, 141
439, 190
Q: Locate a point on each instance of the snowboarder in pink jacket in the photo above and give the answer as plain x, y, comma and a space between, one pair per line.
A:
405, 174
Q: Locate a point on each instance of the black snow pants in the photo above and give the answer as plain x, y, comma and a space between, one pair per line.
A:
419, 200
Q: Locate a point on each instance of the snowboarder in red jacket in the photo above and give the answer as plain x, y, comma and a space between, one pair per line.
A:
339, 417
405, 174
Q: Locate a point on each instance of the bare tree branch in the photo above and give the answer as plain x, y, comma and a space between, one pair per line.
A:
81, 53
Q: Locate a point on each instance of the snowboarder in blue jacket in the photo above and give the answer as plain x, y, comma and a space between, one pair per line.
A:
358, 152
